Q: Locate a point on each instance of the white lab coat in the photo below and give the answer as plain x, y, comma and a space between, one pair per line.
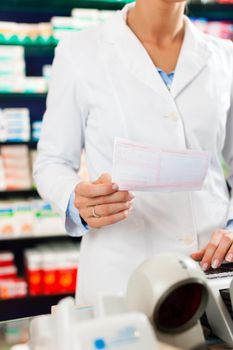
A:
103, 85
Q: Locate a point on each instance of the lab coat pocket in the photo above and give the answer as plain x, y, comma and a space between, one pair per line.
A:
211, 214
223, 97
109, 255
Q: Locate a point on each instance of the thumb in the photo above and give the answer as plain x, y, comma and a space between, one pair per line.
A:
198, 255
104, 179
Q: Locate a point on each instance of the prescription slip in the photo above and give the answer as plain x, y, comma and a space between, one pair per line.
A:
140, 167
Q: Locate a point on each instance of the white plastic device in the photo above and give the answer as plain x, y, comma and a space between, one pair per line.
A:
129, 331
217, 313
172, 290
165, 298
73, 328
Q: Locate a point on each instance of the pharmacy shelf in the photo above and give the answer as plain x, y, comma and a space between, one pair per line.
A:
28, 307
51, 42
64, 7
28, 95
211, 11
32, 236
35, 49
39, 50
18, 246
59, 6
30, 144
35, 102
18, 194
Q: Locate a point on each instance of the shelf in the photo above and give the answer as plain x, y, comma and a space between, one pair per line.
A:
30, 144
29, 306
58, 5
18, 194
211, 11
36, 49
32, 236
10, 95
39, 50
52, 42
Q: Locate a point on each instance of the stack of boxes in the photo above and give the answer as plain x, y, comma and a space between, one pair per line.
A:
220, 29
36, 130
2, 175
36, 33
225, 1
11, 286
15, 220
15, 168
32, 217
49, 270
15, 125
52, 270
45, 219
51, 32
12, 64
80, 19
12, 73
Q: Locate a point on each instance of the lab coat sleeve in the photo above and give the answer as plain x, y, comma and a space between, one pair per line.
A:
229, 226
75, 226
228, 147
62, 137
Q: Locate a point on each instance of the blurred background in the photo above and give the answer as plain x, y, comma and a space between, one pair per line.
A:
38, 261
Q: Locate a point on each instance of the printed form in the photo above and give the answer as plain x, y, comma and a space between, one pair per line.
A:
140, 167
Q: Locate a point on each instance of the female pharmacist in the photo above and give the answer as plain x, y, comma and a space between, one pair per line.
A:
150, 76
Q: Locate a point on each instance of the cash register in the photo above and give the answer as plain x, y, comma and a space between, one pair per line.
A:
219, 309
158, 306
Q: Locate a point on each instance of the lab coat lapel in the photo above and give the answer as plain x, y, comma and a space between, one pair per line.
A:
193, 57
132, 53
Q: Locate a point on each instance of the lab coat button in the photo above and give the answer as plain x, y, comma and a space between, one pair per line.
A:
172, 116
188, 240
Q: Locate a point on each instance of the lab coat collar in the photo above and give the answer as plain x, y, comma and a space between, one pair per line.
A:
193, 57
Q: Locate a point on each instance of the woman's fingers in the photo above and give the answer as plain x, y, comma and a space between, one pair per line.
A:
199, 254
90, 190
216, 251
109, 209
211, 249
107, 220
101, 187
118, 197
229, 256
101, 203
104, 178
222, 250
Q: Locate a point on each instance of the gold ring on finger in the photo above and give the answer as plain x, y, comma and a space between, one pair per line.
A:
94, 213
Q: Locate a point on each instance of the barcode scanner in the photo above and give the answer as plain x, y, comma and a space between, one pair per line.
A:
172, 290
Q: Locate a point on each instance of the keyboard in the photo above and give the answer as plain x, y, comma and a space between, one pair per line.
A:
225, 294
225, 270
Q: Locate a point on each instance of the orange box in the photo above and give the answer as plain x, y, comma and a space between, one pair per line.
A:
49, 281
67, 280
35, 283
8, 272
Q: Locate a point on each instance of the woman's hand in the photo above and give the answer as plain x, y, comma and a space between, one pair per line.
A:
219, 248
101, 203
